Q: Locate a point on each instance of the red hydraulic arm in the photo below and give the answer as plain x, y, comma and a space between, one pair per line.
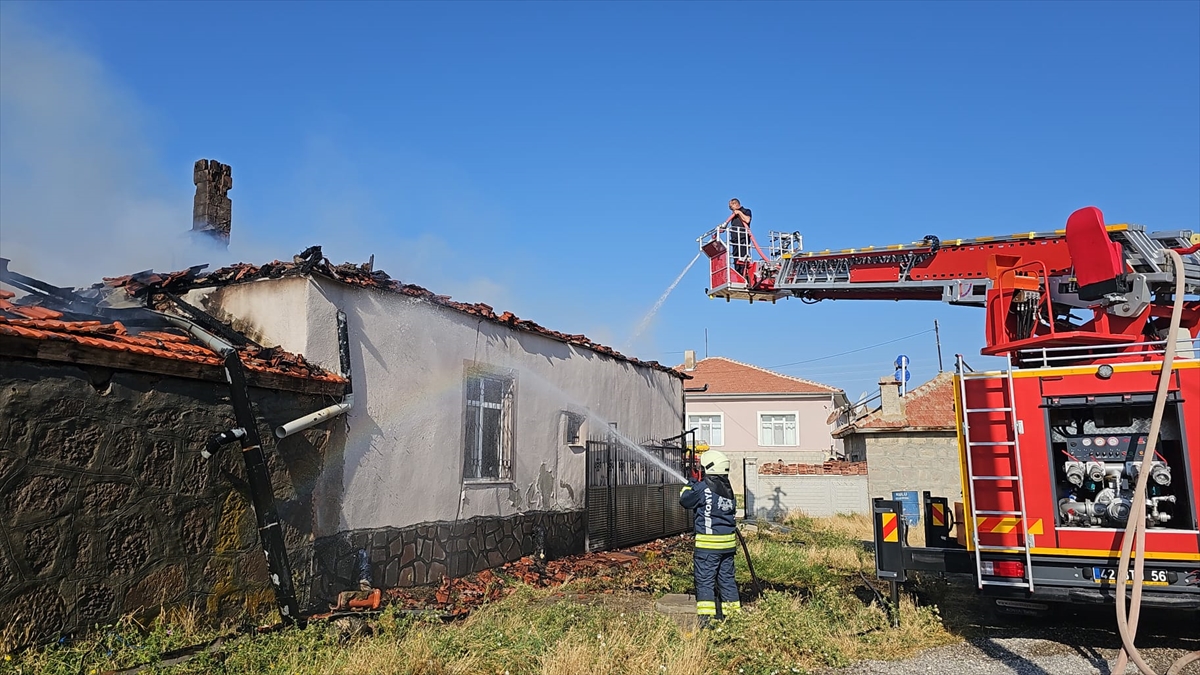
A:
1029, 282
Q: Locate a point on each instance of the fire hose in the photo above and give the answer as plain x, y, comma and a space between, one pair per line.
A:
1135, 529
749, 563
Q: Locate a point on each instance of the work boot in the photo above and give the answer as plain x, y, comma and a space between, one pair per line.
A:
704, 621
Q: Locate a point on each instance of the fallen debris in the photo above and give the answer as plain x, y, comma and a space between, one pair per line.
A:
460, 596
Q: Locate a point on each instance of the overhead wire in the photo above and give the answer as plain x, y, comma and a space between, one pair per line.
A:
854, 351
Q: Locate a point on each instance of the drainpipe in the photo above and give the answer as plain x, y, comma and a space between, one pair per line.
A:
313, 419
209, 340
258, 475
262, 493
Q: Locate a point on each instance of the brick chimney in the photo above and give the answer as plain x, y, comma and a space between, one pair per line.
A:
212, 210
689, 359
891, 402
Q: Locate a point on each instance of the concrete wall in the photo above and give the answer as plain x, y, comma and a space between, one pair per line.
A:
107, 507
772, 497
741, 428
403, 459
917, 460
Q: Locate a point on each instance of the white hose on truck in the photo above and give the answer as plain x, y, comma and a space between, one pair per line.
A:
1135, 528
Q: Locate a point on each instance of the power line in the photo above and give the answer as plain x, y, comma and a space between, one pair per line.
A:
854, 351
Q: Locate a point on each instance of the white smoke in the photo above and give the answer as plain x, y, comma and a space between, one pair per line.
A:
84, 194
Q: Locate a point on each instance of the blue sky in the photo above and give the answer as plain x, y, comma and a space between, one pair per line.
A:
559, 160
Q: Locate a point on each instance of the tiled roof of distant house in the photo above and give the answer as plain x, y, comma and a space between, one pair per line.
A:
66, 340
929, 406
726, 376
311, 262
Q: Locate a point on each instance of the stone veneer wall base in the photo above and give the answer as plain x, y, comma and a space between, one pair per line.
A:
423, 554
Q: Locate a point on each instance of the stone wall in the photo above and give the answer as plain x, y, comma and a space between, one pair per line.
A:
913, 460
107, 507
423, 554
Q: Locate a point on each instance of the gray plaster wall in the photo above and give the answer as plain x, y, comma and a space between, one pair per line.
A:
912, 460
107, 507
403, 461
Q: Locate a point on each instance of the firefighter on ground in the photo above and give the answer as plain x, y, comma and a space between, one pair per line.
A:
712, 501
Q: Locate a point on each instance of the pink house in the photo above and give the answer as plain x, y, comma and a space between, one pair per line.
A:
750, 412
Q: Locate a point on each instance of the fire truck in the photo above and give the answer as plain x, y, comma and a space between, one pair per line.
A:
1051, 447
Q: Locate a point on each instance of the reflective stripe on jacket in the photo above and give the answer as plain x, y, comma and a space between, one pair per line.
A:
714, 516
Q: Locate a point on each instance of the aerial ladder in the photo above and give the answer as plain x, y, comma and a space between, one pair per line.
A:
1089, 433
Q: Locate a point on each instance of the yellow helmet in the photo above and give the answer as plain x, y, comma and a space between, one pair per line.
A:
702, 447
715, 462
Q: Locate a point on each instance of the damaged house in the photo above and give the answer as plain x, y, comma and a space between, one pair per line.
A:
107, 505
466, 444
459, 438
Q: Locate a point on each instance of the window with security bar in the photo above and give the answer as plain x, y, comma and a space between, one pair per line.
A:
777, 429
709, 429
488, 434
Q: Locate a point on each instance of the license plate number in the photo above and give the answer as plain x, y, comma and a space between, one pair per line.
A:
1103, 575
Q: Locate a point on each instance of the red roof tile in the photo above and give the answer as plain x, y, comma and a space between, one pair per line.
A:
929, 406
312, 262
726, 376
27, 311
157, 344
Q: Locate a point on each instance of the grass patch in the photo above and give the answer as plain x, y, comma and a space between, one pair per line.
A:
817, 612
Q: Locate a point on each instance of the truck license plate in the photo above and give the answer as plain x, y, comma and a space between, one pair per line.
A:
1108, 575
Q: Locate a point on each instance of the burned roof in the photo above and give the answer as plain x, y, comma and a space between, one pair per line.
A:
38, 332
312, 262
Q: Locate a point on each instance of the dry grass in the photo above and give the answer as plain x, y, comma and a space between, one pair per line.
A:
818, 613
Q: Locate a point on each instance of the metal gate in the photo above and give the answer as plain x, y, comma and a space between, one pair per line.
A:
630, 497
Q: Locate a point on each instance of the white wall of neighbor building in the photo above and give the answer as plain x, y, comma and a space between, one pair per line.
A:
815, 441
774, 497
403, 461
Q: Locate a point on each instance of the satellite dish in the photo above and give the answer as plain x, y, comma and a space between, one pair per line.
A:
856, 409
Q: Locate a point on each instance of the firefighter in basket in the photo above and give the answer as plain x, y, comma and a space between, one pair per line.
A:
711, 500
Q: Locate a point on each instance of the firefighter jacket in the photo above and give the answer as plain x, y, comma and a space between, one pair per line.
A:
713, 503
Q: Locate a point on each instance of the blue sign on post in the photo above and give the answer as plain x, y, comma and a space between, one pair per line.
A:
910, 506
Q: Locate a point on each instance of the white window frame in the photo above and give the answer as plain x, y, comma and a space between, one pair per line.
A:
708, 414
473, 406
759, 417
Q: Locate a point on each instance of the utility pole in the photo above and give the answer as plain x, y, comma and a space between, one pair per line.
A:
938, 338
